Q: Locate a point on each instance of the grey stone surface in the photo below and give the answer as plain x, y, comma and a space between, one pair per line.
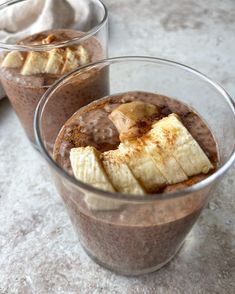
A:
39, 252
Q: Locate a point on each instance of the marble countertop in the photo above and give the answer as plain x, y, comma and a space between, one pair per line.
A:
39, 252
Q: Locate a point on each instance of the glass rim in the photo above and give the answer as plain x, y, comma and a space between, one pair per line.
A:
47, 47
121, 196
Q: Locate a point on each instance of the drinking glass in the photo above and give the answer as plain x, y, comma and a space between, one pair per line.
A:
78, 22
134, 234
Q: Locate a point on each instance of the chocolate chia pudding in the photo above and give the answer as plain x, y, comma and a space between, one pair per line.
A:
131, 238
25, 79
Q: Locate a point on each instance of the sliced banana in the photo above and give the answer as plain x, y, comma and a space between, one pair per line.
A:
142, 165
35, 63
71, 61
75, 58
126, 116
87, 168
119, 173
157, 144
83, 55
55, 61
165, 162
167, 154
13, 59
183, 146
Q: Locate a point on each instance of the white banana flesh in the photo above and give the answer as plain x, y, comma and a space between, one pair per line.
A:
119, 173
166, 163
71, 61
87, 168
83, 55
35, 63
157, 145
13, 59
56, 61
176, 153
181, 144
142, 165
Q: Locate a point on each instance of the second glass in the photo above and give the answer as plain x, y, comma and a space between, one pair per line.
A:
46, 48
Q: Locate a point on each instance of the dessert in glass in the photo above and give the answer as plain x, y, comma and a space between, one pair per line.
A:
32, 63
136, 167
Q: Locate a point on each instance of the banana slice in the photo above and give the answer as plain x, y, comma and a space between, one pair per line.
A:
157, 145
71, 61
55, 61
165, 162
88, 169
126, 116
142, 165
14, 59
35, 63
86, 166
119, 173
182, 145
167, 154
74, 58
83, 55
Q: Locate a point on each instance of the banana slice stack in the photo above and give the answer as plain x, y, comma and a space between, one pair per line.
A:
57, 61
166, 154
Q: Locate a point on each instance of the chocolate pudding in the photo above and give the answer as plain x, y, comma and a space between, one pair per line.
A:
132, 237
24, 86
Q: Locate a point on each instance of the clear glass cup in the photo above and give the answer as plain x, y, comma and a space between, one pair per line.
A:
140, 234
75, 23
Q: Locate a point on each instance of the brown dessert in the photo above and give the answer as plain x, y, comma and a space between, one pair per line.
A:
131, 238
27, 75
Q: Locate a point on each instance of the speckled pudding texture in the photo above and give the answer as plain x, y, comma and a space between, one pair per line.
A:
25, 91
136, 238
